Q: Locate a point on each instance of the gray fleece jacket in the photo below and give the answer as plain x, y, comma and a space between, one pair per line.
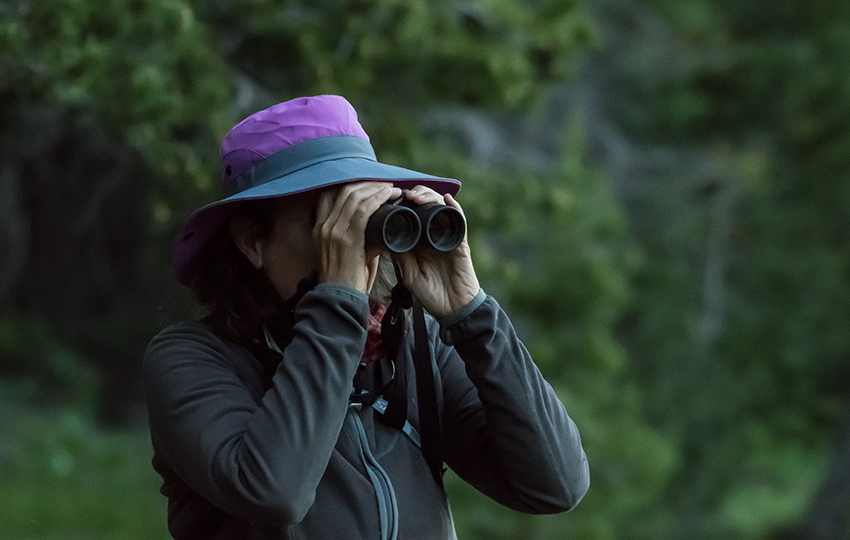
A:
245, 457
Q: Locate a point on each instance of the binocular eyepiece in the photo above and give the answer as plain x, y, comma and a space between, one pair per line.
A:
402, 225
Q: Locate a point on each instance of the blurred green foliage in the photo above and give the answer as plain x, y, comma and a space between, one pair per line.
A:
32, 351
66, 477
747, 273
142, 72
691, 312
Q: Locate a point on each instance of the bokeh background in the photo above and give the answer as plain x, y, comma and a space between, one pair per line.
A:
658, 192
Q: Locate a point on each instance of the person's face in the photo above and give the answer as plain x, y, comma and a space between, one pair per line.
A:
288, 251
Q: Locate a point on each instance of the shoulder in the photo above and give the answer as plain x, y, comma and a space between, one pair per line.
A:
188, 358
193, 343
186, 334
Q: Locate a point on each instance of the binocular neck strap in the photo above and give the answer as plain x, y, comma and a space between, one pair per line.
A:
430, 427
392, 333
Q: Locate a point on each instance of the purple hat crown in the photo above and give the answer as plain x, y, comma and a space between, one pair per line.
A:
284, 125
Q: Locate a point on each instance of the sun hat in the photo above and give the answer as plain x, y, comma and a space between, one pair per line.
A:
292, 147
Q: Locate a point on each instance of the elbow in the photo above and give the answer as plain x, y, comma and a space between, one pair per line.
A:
282, 510
575, 489
575, 486
277, 506
574, 481
565, 494
268, 500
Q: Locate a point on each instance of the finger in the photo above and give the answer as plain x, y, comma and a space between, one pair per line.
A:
352, 208
451, 201
356, 193
422, 195
324, 206
339, 212
359, 201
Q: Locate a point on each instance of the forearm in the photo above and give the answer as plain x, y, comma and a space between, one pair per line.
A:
517, 428
262, 460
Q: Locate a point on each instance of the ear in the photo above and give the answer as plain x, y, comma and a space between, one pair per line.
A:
244, 232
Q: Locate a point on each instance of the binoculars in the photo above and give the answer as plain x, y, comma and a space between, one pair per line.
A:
402, 225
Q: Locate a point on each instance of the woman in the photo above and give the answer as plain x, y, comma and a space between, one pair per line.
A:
288, 412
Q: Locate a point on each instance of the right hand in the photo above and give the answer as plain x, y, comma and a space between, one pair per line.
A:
443, 282
340, 231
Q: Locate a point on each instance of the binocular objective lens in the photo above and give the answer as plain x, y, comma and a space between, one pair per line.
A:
441, 229
397, 230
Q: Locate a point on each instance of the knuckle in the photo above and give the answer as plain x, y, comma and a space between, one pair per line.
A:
327, 231
348, 189
339, 235
333, 234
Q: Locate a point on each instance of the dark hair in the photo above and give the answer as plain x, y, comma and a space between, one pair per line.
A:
240, 298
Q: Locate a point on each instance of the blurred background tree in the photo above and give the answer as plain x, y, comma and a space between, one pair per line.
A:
742, 115
657, 193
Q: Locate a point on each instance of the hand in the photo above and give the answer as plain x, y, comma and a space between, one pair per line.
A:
442, 282
340, 232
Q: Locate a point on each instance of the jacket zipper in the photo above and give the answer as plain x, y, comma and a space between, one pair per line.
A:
387, 505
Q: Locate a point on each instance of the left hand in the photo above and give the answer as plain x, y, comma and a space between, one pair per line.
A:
339, 232
442, 282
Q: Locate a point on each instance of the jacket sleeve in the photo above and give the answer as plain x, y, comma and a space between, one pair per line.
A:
260, 460
504, 429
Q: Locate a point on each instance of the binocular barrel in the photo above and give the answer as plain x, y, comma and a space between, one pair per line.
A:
398, 228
